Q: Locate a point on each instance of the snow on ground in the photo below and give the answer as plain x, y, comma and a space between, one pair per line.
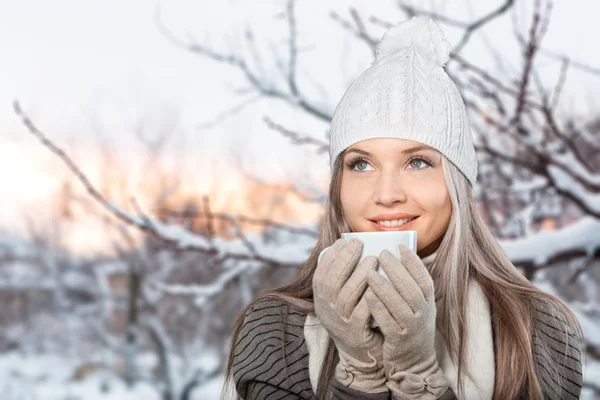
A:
50, 377
210, 391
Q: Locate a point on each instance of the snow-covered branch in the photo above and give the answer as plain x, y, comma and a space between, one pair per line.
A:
547, 247
589, 201
203, 293
174, 236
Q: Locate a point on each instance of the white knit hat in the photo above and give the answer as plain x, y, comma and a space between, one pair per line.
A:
407, 94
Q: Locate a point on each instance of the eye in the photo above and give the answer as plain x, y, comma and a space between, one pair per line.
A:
359, 165
419, 163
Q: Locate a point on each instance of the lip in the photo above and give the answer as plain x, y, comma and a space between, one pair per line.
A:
391, 217
404, 227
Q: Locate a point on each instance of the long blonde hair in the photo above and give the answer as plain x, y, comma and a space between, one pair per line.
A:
467, 251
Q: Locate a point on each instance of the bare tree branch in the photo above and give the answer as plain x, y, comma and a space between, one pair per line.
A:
357, 28
562, 78
541, 167
322, 146
244, 220
536, 33
586, 264
487, 77
209, 216
380, 22
470, 27
589, 69
265, 88
231, 112
293, 48
174, 236
75, 170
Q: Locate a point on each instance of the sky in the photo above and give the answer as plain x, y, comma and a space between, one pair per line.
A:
91, 73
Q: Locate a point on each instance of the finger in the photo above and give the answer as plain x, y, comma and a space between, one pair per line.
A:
341, 267
399, 310
380, 313
418, 271
361, 313
354, 288
323, 266
402, 280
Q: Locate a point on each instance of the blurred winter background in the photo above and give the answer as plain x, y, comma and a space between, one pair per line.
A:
163, 162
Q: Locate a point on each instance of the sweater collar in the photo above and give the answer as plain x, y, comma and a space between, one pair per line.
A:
429, 259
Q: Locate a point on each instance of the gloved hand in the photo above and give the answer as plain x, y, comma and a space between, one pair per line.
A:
404, 308
338, 288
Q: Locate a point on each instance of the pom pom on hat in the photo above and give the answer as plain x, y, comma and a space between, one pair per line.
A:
419, 32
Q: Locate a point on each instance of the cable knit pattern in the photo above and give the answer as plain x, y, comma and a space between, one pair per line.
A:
406, 94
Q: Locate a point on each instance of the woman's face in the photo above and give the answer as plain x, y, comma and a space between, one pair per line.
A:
395, 185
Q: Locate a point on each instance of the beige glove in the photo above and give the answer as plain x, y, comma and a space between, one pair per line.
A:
338, 287
405, 311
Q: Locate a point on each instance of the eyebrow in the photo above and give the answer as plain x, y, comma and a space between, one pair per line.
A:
406, 151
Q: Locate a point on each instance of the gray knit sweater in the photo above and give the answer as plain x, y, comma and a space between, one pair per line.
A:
271, 358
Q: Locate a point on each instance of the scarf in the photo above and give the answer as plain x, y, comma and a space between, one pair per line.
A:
479, 352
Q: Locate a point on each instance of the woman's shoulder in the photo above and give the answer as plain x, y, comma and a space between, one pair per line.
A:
552, 321
270, 313
558, 348
269, 323
270, 353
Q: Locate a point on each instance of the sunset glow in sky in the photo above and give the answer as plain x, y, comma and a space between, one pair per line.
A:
92, 74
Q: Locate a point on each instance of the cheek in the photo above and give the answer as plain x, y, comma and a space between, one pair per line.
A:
446, 213
353, 198
439, 206
442, 203
434, 200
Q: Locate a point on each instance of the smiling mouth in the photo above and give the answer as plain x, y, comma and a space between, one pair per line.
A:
395, 224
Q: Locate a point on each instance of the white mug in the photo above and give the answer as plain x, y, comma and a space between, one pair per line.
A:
375, 242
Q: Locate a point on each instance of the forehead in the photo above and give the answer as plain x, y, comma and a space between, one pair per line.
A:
383, 146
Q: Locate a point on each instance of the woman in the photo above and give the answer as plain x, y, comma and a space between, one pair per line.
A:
456, 321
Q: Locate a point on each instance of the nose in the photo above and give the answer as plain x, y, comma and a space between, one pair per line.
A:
389, 189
